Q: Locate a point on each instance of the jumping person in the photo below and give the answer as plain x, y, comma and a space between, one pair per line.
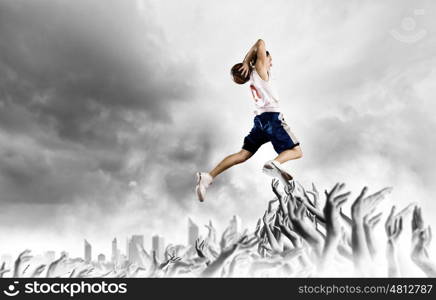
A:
269, 124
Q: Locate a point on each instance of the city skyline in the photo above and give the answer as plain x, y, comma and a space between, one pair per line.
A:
157, 243
192, 233
87, 251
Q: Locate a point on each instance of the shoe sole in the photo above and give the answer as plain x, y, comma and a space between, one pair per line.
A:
197, 188
272, 172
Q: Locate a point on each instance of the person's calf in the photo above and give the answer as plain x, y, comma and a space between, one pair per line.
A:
290, 154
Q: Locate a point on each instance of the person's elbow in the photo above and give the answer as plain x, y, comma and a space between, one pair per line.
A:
260, 42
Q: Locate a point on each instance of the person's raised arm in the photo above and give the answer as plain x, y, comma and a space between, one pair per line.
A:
267, 219
393, 228
334, 201
362, 206
421, 238
256, 51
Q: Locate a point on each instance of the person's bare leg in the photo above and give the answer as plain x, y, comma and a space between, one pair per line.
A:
290, 154
230, 161
273, 168
205, 179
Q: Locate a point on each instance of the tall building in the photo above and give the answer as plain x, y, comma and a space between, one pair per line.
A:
133, 251
127, 247
122, 261
88, 252
193, 232
158, 246
101, 258
114, 257
235, 223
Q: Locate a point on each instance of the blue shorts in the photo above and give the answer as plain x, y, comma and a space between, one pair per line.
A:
270, 127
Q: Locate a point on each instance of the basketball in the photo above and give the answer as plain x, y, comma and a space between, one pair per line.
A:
237, 75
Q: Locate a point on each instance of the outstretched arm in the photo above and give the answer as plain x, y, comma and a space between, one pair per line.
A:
258, 51
267, 219
421, 238
393, 228
334, 200
362, 206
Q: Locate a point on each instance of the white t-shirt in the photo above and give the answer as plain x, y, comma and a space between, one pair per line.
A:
265, 97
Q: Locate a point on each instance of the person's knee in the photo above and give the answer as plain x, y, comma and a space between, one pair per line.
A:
299, 153
242, 156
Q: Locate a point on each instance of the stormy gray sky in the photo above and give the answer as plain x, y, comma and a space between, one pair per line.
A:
108, 108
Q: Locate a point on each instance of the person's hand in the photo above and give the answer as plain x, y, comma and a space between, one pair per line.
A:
286, 228
243, 242
405, 212
365, 205
421, 237
133, 271
421, 240
227, 238
369, 223
290, 188
38, 271
315, 194
268, 217
107, 274
3, 269
247, 242
244, 69
393, 226
200, 247
264, 248
211, 235
344, 247
81, 271
305, 229
211, 240
171, 260
302, 196
259, 229
282, 200
274, 187
52, 266
333, 204
417, 220
271, 204
22, 258
283, 220
334, 201
85, 272
230, 243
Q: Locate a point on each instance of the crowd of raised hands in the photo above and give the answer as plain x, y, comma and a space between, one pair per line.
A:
301, 234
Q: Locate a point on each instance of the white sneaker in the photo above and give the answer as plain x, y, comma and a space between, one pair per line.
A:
203, 182
274, 169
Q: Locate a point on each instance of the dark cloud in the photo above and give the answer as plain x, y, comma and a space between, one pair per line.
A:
72, 64
78, 81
